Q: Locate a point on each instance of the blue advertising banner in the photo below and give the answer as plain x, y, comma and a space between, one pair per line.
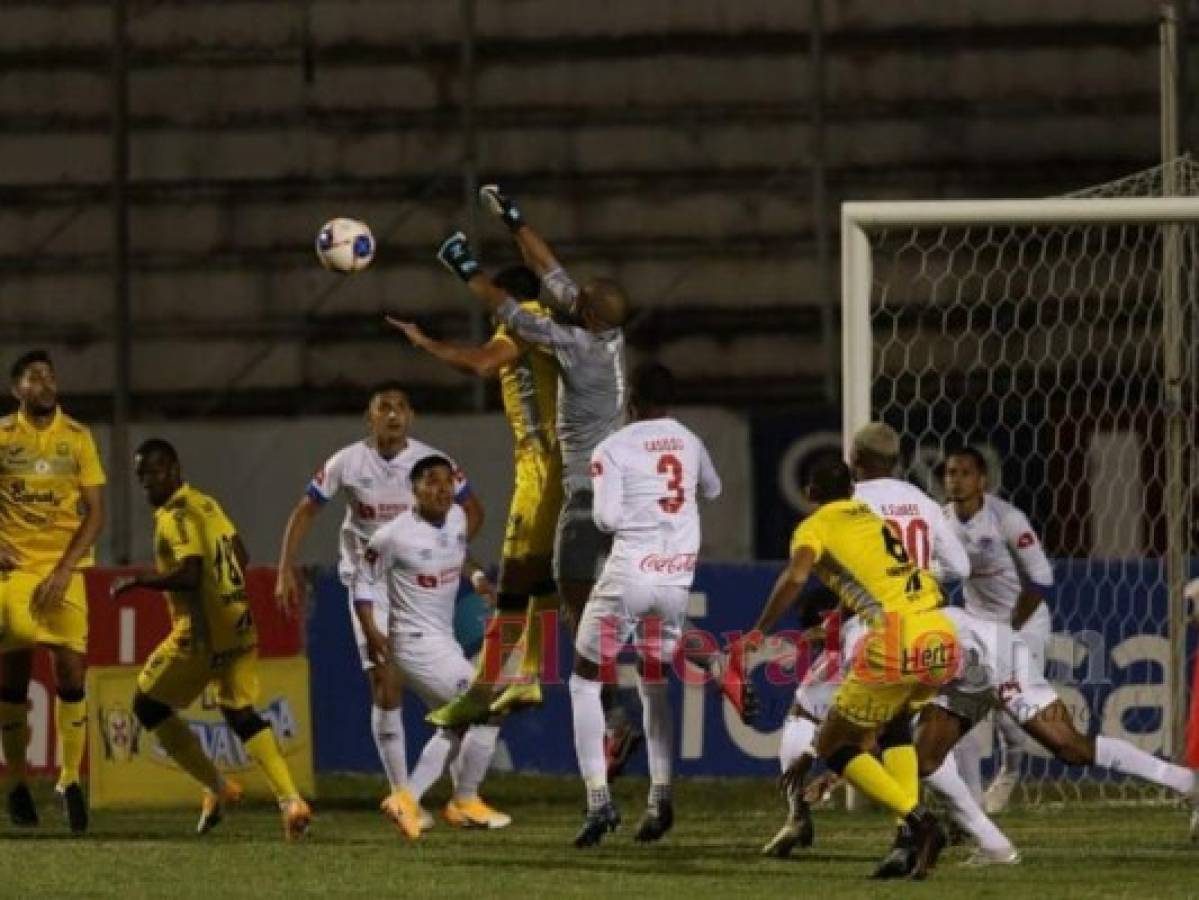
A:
1108, 657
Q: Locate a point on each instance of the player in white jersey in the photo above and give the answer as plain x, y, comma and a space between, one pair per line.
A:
409, 576
646, 478
373, 475
917, 521
1011, 581
998, 674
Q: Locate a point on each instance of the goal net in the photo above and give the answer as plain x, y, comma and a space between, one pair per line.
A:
1057, 337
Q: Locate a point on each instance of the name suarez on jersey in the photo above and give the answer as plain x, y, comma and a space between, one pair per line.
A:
899, 509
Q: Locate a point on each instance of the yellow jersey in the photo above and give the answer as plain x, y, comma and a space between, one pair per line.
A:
216, 616
529, 389
864, 563
42, 472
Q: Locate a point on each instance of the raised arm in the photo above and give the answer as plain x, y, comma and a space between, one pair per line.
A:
484, 361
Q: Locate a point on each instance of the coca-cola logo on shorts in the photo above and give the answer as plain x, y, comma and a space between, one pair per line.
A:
678, 564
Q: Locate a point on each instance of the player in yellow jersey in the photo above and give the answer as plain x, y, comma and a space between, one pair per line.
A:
909, 650
529, 388
200, 564
51, 511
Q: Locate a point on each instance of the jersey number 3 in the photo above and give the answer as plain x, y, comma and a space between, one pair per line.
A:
669, 464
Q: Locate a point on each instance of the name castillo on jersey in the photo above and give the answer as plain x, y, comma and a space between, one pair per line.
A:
415, 567
377, 491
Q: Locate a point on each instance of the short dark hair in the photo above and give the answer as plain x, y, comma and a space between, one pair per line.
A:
830, 480
653, 386
25, 360
518, 282
385, 387
971, 453
159, 446
425, 463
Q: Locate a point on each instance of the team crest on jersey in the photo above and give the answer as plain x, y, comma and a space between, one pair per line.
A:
1025, 540
984, 543
41, 467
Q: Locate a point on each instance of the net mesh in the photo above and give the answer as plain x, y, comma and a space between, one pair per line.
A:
1043, 347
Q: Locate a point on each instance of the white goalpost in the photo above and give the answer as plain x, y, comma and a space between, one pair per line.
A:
1058, 337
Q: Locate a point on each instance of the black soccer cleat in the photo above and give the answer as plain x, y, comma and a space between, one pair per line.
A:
74, 806
899, 860
597, 823
21, 811
928, 840
658, 820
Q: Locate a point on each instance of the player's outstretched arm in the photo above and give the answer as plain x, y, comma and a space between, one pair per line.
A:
533, 248
786, 589
455, 254
287, 582
484, 361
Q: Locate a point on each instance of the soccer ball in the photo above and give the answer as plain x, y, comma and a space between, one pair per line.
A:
345, 245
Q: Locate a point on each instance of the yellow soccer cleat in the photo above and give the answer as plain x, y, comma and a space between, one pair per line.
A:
212, 806
465, 709
474, 813
517, 696
297, 816
404, 812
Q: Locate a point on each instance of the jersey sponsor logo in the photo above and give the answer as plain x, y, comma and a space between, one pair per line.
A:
62, 448
384, 511
431, 582
660, 564
597, 468
19, 492
1025, 540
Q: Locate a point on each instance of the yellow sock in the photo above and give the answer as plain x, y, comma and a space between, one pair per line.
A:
868, 775
70, 718
264, 751
14, 737
901, 764
530, 664
184, 747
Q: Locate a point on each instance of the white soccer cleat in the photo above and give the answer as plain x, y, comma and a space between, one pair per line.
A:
426, 819
999, 794
981, 857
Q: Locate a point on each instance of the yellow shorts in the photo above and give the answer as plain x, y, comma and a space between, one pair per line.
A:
63, 626
899, 665
536, 499
177, 677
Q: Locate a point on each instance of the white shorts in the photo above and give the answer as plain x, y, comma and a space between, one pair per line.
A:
1001, 672
655, 614
380, 612
1036, 633
433, 665
824, 675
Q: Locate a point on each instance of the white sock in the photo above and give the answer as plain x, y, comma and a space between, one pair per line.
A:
588, 714
1126, 759
478, 746
387, 726
658, 721
796, 741
967, 759
440, 750
1011, 745
964, 809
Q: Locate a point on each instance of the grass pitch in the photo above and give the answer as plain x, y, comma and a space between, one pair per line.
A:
1084, 850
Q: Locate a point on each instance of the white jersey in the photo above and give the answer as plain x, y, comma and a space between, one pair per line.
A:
646, 478
1004, 554
377, 490
917, 521
414, 567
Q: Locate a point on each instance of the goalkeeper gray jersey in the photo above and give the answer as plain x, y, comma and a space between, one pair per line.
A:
592, 390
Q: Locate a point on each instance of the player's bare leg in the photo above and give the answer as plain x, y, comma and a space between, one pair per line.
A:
846, 749
796, 755
16, 667
70, 715
1053, 727
588, 715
